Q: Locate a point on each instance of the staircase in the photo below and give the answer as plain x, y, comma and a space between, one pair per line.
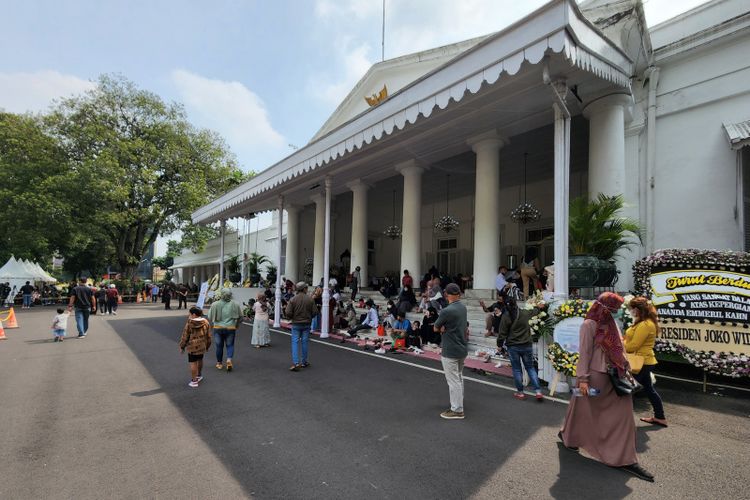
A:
475, 314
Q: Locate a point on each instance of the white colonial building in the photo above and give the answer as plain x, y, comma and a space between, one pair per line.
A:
571, 100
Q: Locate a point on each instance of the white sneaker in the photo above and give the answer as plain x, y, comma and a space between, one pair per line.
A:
380, 351
114, 313
193, 383
200, 378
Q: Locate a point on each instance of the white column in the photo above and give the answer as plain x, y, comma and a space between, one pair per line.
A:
562, 197
222, 232
324, 323
411, 228
291, 270
320, 213
606, 117
486, 208
277, 304
359, 229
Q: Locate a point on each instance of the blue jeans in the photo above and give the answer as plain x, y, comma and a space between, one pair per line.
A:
224, 336
644, 378
523, 354
82, 320
315, 326
300, 338
26, 300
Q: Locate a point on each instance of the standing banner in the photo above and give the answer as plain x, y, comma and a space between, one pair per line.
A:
202, 295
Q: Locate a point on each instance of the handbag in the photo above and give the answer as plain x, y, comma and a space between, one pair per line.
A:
625, 385
635, 361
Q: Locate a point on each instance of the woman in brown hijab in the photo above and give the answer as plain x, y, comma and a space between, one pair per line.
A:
603, 425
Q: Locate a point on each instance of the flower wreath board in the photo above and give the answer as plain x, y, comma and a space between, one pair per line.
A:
564, 325
703, 301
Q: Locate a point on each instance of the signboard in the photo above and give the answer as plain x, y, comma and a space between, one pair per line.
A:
567, 333
708, 308
202, 295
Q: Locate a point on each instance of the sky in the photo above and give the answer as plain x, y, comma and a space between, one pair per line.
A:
264, 74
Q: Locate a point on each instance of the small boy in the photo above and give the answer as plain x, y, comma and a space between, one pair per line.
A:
60, 324
196, 338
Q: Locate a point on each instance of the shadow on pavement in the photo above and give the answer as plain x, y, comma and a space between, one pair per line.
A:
351, 426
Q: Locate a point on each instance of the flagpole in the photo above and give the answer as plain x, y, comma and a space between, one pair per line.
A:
382, 36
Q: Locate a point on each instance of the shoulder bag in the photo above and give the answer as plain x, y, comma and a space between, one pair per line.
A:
625, 385
635, 361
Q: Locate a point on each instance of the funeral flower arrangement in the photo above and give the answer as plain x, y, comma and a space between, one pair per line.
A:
727, 364
541, 324
562, 361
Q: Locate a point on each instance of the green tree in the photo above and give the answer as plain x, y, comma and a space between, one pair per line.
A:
39, 213
140, 165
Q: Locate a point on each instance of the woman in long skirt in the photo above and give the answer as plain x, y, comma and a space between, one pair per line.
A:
602, 424
261, 337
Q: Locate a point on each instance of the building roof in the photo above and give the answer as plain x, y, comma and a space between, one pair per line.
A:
738, 134
557, 28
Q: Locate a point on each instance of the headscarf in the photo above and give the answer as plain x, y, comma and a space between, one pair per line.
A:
607, 334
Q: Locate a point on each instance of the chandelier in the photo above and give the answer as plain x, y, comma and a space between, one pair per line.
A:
447, 223
393, 231
525, 212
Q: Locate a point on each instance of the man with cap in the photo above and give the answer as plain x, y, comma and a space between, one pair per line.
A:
452, 325
370, 321
300, 310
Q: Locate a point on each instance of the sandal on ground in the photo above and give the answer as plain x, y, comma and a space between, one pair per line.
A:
519, 395
294, 368
638, 472
654, 421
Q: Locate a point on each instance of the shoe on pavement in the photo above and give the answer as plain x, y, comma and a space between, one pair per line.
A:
519, 395
81, 336
114, 313
193, 383
539, 396
638, 472
452, 415
229, 366
380, 351
305, 365
219, 366
200, 378
294, 368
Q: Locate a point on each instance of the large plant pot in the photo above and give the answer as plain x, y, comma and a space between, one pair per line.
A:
607, 274
254, 278
235, 277
583, 271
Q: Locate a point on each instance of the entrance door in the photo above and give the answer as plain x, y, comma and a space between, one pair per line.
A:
543, 240
447, 256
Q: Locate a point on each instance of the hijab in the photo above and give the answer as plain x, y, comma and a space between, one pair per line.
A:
607, 334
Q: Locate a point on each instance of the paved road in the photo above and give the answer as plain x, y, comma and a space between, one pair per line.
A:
111, 416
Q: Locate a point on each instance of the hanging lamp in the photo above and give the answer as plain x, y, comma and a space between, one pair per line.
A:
447, 223
393, 231
525, 212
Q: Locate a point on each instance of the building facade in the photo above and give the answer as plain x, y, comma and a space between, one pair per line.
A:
569, 101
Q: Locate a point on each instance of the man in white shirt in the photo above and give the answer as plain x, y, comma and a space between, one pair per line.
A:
500, 281
371, 320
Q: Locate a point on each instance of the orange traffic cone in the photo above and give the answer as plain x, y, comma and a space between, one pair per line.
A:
119, 298
11, 321
2, 332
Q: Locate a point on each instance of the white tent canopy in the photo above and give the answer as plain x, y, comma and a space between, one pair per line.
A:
19, 270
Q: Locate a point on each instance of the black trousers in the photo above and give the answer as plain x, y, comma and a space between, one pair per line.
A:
181, 300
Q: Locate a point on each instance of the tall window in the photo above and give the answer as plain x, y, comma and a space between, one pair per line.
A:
447, 256
543, 240
370, 252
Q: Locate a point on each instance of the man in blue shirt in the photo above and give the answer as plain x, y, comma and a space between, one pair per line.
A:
400, 329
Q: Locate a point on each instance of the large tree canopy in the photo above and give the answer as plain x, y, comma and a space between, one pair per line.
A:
140, 168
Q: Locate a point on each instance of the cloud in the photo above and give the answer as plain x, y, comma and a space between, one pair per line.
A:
235, 112
359, 9
230, 108
355, 62
22, 92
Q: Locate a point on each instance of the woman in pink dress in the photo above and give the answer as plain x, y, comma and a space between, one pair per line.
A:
603, 424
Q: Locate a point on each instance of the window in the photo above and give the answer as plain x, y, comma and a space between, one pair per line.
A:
447, 255
447, 244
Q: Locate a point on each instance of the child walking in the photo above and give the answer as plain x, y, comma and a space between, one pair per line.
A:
196, 338
60, 324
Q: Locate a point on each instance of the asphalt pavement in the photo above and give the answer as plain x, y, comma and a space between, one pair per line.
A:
111, 416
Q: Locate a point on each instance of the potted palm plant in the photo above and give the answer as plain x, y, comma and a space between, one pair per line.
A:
597, 233
253, 266
232, 265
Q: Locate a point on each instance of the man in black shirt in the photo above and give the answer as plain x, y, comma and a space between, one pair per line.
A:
27, 290
83, 300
